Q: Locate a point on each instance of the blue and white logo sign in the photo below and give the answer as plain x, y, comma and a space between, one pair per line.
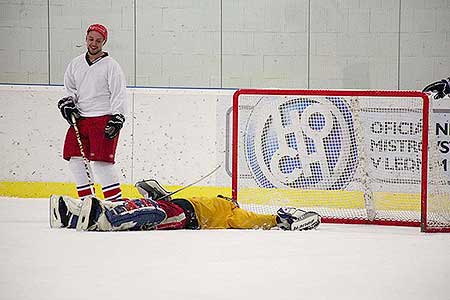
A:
306, 143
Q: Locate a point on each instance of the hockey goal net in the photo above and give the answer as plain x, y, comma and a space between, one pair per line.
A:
364, 157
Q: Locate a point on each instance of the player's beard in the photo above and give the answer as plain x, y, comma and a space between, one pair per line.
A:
94, 52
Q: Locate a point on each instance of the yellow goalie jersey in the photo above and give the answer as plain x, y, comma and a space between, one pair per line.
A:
218, 213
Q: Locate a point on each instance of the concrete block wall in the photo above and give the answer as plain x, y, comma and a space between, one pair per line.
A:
374, 44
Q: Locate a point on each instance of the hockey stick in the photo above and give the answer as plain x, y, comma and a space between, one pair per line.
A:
189, 185
168, 194
83, 155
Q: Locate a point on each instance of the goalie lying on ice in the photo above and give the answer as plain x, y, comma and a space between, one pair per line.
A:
166, 213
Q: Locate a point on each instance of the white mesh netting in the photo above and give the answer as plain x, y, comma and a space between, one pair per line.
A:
353, 158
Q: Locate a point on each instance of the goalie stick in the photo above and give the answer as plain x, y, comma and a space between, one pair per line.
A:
83, 155
168, 194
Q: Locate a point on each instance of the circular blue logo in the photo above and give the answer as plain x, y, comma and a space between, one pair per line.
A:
306, 143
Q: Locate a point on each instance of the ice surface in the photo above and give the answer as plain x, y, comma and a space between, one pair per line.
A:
333, 262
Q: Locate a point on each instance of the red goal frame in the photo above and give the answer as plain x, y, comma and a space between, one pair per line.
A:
367, 93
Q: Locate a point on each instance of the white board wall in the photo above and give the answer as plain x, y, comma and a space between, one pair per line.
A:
171, 135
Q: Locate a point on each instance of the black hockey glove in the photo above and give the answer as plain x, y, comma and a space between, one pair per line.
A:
441, 88
68, 108
114, 125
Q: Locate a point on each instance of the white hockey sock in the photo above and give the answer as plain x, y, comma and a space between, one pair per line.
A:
76, 166
108, 177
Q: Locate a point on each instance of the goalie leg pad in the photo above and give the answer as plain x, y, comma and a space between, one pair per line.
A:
64, 211
135, 214
92, 216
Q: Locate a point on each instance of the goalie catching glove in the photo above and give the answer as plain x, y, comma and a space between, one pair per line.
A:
68, 108
114, 125
439, 88
291, 218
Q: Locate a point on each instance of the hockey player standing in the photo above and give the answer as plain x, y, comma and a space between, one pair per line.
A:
95, 89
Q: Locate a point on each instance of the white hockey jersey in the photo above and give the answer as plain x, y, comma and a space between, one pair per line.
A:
99, 88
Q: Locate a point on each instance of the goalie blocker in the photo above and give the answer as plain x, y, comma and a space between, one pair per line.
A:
193, 213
